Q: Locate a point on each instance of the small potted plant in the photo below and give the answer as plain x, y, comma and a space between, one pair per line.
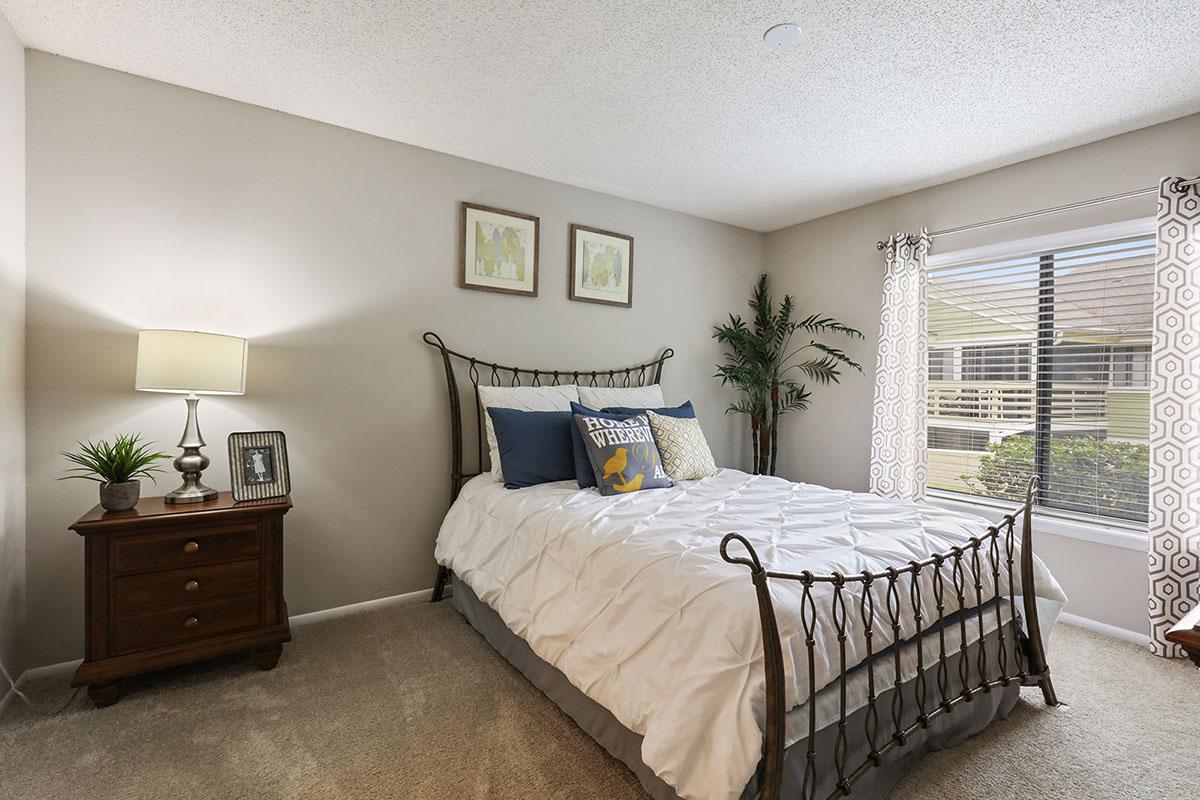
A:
117, 468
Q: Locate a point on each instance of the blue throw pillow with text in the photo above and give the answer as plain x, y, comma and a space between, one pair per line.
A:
622, 453
583, 467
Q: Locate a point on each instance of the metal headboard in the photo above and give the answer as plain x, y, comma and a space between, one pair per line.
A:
488, 373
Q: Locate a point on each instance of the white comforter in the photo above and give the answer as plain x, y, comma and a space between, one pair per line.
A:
629, 598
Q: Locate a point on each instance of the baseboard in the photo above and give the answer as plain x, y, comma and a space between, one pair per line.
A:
408, 598
51, 670
1125, 635
297, 620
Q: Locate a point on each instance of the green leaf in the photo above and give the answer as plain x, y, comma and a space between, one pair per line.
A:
759, 359
126, 458
837, 355
1104, 477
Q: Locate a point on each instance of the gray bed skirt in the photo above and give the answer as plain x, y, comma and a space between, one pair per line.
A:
947, 730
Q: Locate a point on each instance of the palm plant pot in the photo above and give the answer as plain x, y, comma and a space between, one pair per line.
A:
120, 496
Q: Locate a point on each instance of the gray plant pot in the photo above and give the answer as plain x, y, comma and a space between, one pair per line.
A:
120, 496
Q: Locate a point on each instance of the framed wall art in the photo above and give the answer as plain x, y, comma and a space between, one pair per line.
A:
601, 267
258, 465
499, 251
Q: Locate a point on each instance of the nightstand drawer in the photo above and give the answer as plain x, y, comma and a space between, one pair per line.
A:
184, 586
149, 629
186, 548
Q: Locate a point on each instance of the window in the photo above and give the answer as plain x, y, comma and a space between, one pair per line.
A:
957, 439
1039, 363
941, 365
996, 362
1131, 367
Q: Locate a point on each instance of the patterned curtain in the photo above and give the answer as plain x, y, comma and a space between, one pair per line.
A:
898, 423
1175, 415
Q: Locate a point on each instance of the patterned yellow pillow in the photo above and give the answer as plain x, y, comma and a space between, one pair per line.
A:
681, 445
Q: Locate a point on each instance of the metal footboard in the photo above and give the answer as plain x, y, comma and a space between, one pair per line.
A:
974, 580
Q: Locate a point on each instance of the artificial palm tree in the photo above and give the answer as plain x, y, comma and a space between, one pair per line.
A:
765, 366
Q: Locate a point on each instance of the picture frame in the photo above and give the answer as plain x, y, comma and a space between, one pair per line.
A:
499, 250
601, 267
258, 465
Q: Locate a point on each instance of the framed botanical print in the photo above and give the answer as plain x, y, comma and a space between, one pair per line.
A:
258, 465
499, 251
601, 266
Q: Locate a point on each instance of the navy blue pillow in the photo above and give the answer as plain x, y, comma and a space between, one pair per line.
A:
535, 446
584, 475
684, 411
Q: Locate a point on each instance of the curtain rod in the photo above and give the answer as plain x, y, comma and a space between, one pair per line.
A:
1043, 212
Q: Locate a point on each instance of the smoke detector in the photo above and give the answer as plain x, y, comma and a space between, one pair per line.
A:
785, 34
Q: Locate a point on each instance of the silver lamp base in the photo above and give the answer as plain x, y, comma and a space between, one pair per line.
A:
191, 462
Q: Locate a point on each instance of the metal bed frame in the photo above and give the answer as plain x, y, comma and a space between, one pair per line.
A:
479, 370
973, 573
984, 557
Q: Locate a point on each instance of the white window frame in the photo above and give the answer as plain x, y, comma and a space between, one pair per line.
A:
1143, 226
1115, 533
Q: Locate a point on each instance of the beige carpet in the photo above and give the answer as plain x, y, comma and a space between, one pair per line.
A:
410, 703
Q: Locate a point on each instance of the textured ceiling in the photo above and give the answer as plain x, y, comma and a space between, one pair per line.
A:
675, 102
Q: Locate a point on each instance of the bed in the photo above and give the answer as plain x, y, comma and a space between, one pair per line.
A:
743, 636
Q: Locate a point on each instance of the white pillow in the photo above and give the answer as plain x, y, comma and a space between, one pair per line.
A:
598, 397
523, 398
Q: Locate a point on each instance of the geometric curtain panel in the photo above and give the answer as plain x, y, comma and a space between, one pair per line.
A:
1174, 527
898, 435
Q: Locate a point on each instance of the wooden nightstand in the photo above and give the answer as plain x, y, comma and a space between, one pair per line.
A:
1186, 634
173, 584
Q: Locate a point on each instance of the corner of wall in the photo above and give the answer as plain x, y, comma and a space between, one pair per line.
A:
12, 352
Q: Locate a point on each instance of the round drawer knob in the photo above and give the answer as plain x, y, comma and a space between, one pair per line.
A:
191, 547
191, 586
191, 622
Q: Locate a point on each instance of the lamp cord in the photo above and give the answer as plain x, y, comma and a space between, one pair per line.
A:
13, 685
25, 698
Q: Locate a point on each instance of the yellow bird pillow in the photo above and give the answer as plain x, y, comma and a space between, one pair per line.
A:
622, 453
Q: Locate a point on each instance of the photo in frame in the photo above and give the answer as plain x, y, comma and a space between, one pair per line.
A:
499, 251
258, 465
601, 267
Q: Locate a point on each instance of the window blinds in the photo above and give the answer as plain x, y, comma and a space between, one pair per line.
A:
1040, 364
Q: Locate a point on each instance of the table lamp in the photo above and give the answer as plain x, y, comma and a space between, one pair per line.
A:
191, 363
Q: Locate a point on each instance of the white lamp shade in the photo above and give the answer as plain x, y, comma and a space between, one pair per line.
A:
189, 361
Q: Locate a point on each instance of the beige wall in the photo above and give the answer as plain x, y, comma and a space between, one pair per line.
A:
832, 266
155, 206
12, 346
